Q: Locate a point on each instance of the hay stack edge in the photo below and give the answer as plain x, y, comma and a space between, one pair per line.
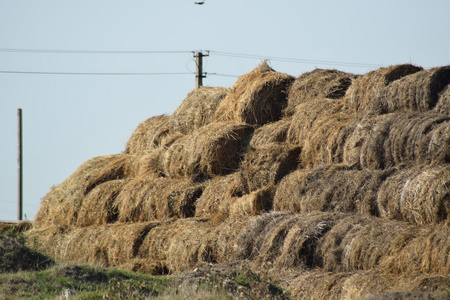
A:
331, 184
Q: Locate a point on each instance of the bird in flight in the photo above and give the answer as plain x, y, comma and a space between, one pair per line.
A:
200, 2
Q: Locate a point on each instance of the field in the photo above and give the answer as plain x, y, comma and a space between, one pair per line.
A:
328, 185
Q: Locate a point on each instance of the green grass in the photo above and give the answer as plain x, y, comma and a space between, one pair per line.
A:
87, 282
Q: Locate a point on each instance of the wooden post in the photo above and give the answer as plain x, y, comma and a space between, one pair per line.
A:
19, 166
199, 70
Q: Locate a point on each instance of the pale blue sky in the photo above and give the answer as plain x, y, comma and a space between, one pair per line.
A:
69, 119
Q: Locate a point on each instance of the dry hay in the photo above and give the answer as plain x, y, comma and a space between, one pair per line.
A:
197, 109
443, 104
174, 159
98, 205
149, 198
60, 206
271, 133
418, 91
148, 163
256, 98
217, 196
388, 140
368, 87
334, 188
148, 134
419, 195
361, 243
318, 83
112, 245
267, 165
320, 127
254, 203
216, 149
373, 284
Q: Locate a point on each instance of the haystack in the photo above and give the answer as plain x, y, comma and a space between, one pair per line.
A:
418, 91
334, 188
61, 205
148, 163
268, 165
148, 199
148, 134
217, 149
174, 159
275, 132
419, 195
318, 83
368, 87
197, 109
443, 104
256, 98
252, 204
217, 196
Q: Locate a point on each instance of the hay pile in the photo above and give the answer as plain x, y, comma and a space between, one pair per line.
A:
332, 184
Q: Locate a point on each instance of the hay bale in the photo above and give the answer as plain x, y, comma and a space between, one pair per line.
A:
419, 195
219, 192
418, 91
267, 165
320, 127
98, 205
443, 104
271, 133
60, 206
318, 83
334, 188
174, 159
197, 109
252, 204
368, 87
148, 163
148, 134
256, 98
216, 149
149, 199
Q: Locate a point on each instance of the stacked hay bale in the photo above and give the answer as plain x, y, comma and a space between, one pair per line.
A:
332, 178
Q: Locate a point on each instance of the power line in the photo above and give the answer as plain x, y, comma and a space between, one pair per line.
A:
294, 60
90, 51
95, 74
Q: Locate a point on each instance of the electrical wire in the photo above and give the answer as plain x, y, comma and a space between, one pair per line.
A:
95, 74
89, 51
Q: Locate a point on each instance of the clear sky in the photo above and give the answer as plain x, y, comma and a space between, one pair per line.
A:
70, 118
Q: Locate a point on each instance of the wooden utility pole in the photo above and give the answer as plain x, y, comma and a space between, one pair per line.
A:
199, 75
19, 166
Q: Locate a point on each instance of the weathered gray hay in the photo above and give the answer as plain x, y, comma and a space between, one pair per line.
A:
217, 149
252, 204
320, 127
412, 138
418, 91
148, 199
318, 83
98, 205
267, 165
256, 98
275, 132
368, 87
197, 109
419, 195
174, 159
217, 196
334, 188
148, 134
60, 206
443, 104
